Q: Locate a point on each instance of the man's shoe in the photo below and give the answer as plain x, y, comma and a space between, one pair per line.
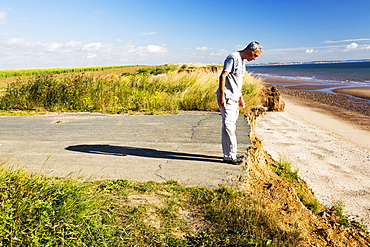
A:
234, 161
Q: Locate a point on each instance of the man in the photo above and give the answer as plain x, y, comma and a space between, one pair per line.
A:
229, 96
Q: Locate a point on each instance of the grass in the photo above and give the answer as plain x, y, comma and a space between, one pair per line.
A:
21, 72
284, 169
44, 211
140, 92
20, 113
339, 211
39, 211
158, 70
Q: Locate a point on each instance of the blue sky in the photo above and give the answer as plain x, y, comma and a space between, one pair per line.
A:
40, 33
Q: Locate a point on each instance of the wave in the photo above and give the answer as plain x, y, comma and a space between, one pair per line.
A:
320, 81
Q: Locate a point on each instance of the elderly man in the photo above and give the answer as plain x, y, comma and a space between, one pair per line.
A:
229, 96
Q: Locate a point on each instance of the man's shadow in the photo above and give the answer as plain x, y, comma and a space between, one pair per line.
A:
142, 152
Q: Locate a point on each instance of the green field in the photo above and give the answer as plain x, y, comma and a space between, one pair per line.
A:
4, 73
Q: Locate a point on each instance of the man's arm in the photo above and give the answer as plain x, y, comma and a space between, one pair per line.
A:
221, 85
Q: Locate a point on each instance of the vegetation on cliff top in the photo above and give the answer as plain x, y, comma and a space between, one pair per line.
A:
151, 90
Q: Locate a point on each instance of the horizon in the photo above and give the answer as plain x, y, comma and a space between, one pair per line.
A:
204, 64
314, 62
93, 34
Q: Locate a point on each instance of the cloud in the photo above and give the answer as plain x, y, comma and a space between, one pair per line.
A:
73, 44
309, 51
330, 48
156, 49
91, 56
346, 40
203, 48
220, 52
52, 47
21, 43
351, 46
18, 52
295, 49
14, 41
2, 18
92, 47
149, 33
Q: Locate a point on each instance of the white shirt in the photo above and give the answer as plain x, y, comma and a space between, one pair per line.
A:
235, 65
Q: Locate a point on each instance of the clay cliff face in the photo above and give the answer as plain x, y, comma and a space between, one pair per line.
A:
280, 197
271, 99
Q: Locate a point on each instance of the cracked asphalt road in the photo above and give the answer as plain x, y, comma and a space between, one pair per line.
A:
184, 147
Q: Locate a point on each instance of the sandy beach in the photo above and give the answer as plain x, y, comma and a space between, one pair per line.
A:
358, 92
328, 144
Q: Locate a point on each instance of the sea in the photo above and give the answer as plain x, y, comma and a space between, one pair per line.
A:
332, 75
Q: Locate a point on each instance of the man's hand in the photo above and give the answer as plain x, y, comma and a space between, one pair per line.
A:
222, 100
241, 102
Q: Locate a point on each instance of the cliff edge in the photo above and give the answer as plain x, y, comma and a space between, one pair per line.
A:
289, 199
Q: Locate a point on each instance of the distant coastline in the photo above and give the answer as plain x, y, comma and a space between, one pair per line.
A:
310, 62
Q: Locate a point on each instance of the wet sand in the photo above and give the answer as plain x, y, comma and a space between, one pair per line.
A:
345, 107
358, 92
354, 111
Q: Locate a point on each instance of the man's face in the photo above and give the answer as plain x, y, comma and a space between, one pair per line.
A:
252, 55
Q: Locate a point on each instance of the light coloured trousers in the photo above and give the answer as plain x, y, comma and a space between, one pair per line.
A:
230, 114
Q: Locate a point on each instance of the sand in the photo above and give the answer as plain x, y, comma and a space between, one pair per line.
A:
332, 154
357, 92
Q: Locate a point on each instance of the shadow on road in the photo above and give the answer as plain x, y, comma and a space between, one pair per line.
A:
142, 152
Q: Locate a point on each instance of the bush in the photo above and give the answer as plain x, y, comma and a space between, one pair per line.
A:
157, 70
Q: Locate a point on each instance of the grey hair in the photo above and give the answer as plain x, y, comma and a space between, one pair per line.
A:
255, 46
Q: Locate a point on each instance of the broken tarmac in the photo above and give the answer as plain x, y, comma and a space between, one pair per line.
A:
184, 147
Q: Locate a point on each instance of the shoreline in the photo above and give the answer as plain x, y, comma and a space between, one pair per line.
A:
352, 110
346, 125
338, 106
359, 93
330, 154
326, 138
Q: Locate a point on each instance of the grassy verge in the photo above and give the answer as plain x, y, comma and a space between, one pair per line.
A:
20, 113
145, 91
283, 169
43, 211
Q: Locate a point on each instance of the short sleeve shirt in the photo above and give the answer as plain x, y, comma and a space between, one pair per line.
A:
235, 65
